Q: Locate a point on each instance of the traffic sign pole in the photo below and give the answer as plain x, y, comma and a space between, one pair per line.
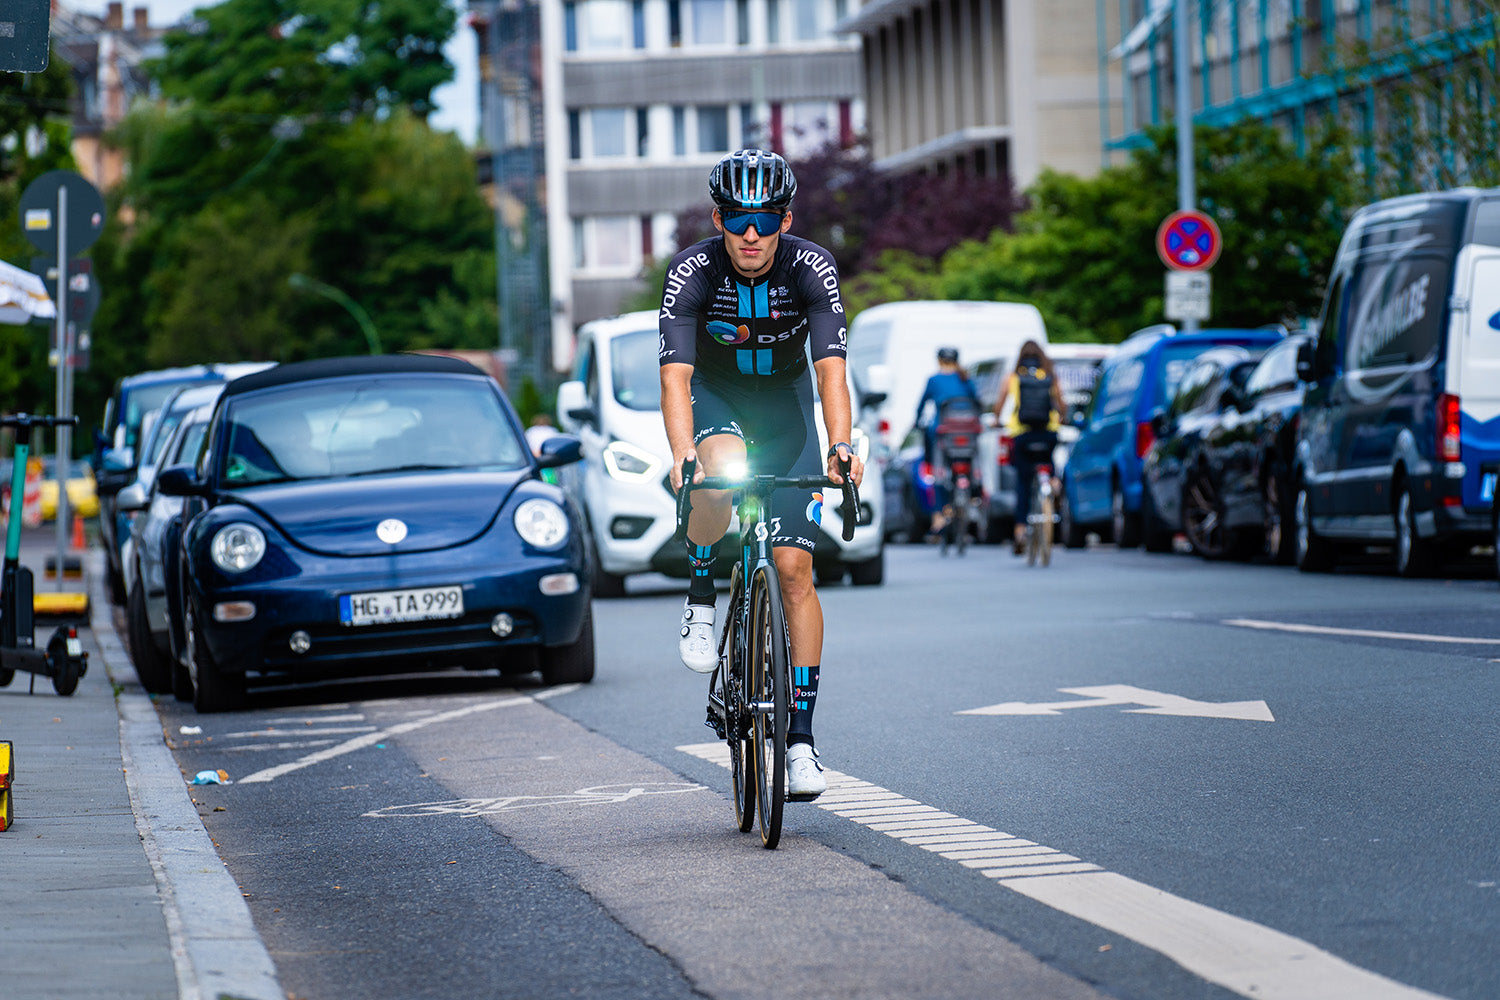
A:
64, 436
1187, 192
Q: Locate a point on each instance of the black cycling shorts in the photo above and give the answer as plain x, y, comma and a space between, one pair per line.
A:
780, 438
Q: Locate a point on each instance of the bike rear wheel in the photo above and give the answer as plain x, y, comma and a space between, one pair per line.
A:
768, 696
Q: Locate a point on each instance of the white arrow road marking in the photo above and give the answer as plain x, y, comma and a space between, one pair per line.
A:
370, 739
1123, 694
1237, 954
1361, 633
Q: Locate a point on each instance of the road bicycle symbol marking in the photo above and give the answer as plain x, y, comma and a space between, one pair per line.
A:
596, 796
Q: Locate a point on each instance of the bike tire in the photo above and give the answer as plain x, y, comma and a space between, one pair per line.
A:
1044, 531
769, 694
731, 679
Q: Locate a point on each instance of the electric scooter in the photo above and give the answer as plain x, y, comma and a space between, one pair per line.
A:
63, 659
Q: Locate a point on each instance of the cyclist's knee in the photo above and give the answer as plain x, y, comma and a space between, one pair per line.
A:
794, 568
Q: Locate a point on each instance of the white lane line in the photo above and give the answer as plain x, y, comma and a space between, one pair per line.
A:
296, 731
1237, 954
259, 747
1361, 633
370, 739
298, 720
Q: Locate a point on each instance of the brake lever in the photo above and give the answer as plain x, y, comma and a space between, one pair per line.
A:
850, 507
684, 504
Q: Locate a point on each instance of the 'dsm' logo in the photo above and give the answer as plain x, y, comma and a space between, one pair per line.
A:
728, 333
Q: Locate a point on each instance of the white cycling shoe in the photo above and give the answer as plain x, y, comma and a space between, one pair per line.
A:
804, 774
696, 646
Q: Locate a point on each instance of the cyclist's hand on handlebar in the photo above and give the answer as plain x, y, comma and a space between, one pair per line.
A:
691, 455
856, 467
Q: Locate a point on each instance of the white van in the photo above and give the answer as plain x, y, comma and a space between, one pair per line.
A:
613, 404
893, 350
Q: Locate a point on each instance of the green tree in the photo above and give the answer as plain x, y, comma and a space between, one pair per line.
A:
1084, 252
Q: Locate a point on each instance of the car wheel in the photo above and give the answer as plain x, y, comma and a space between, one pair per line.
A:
1313, 554
574, 662
6, 676
116, 579
1203, 518
868, 573
1126, 526
1415, 555
1072, 532
213, 690
1277, 517
1155, 535
153, 669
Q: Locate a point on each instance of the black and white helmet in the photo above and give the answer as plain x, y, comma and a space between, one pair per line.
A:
752, 179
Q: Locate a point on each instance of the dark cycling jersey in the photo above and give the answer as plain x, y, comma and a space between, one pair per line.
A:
735, 330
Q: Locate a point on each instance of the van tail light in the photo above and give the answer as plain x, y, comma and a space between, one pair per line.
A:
1448, 447
1002, 456
1144, 438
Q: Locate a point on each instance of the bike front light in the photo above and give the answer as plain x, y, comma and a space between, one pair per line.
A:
238, 547
626, 462
542, 523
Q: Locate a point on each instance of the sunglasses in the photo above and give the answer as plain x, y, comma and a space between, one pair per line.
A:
738, 222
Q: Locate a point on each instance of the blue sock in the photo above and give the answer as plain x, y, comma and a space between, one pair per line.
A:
701, 587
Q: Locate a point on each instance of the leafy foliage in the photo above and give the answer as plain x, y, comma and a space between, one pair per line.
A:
1084, 252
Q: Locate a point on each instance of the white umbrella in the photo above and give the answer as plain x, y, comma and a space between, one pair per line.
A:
23, 296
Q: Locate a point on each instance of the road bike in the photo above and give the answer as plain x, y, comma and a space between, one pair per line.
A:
958, 433
749, 692
1041, 516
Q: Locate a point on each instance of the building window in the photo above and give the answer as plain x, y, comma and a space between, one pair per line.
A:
713, 129
679, 130
607, 243
807, 126
773, 21
742, 21
805, 26
608, 133
602, 26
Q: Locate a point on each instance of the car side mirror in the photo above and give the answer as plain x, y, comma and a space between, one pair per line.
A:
132, 497
573, 405
560, 449
870, 400
116, 470
180, 481
1306, 362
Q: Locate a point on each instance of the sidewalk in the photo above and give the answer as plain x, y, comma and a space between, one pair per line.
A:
110, 887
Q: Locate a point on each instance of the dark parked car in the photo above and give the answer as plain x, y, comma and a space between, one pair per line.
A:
360, 515
117, 447
1102, 481
1181, 478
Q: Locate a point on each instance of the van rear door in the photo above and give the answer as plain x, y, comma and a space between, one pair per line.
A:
1474, 367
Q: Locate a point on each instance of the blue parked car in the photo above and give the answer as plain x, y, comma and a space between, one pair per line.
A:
1102, 481
360, 515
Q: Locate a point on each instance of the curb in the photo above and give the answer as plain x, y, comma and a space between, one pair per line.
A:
216, 949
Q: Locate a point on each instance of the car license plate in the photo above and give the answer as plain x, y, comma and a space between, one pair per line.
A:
415, 605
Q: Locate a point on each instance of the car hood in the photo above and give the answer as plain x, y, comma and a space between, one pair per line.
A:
341, 517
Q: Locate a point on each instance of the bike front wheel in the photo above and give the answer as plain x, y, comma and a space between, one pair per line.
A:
730, 689
768, 697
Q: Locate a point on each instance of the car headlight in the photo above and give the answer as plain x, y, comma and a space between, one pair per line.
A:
625, 461
861, 442
542, 523
238, 547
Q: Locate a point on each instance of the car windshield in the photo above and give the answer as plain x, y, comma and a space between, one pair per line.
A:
1177, 359
360, 427
635, 370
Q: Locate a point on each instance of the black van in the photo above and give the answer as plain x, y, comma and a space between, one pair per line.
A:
1400, 426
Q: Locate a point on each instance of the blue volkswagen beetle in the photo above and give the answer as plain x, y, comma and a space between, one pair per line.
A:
352, 516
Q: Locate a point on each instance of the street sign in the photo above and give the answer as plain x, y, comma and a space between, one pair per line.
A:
83, 286
38, 207
1189, 294
24, 29
1188, 241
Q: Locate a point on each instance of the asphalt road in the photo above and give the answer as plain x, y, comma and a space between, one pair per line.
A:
1182, 780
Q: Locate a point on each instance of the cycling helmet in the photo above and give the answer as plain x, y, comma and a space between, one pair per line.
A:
752, 179
948, 354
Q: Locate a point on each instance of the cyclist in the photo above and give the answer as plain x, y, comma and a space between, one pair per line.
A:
948, 383
1032, 425
739, 313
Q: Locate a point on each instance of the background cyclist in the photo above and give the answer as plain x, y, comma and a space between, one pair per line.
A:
950, 382
1032, 425
739, 314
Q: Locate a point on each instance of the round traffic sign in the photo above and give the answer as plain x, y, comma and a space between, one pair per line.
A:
1188, 241
38, 207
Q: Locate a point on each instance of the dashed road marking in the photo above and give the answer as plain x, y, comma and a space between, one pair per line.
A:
1237, 954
